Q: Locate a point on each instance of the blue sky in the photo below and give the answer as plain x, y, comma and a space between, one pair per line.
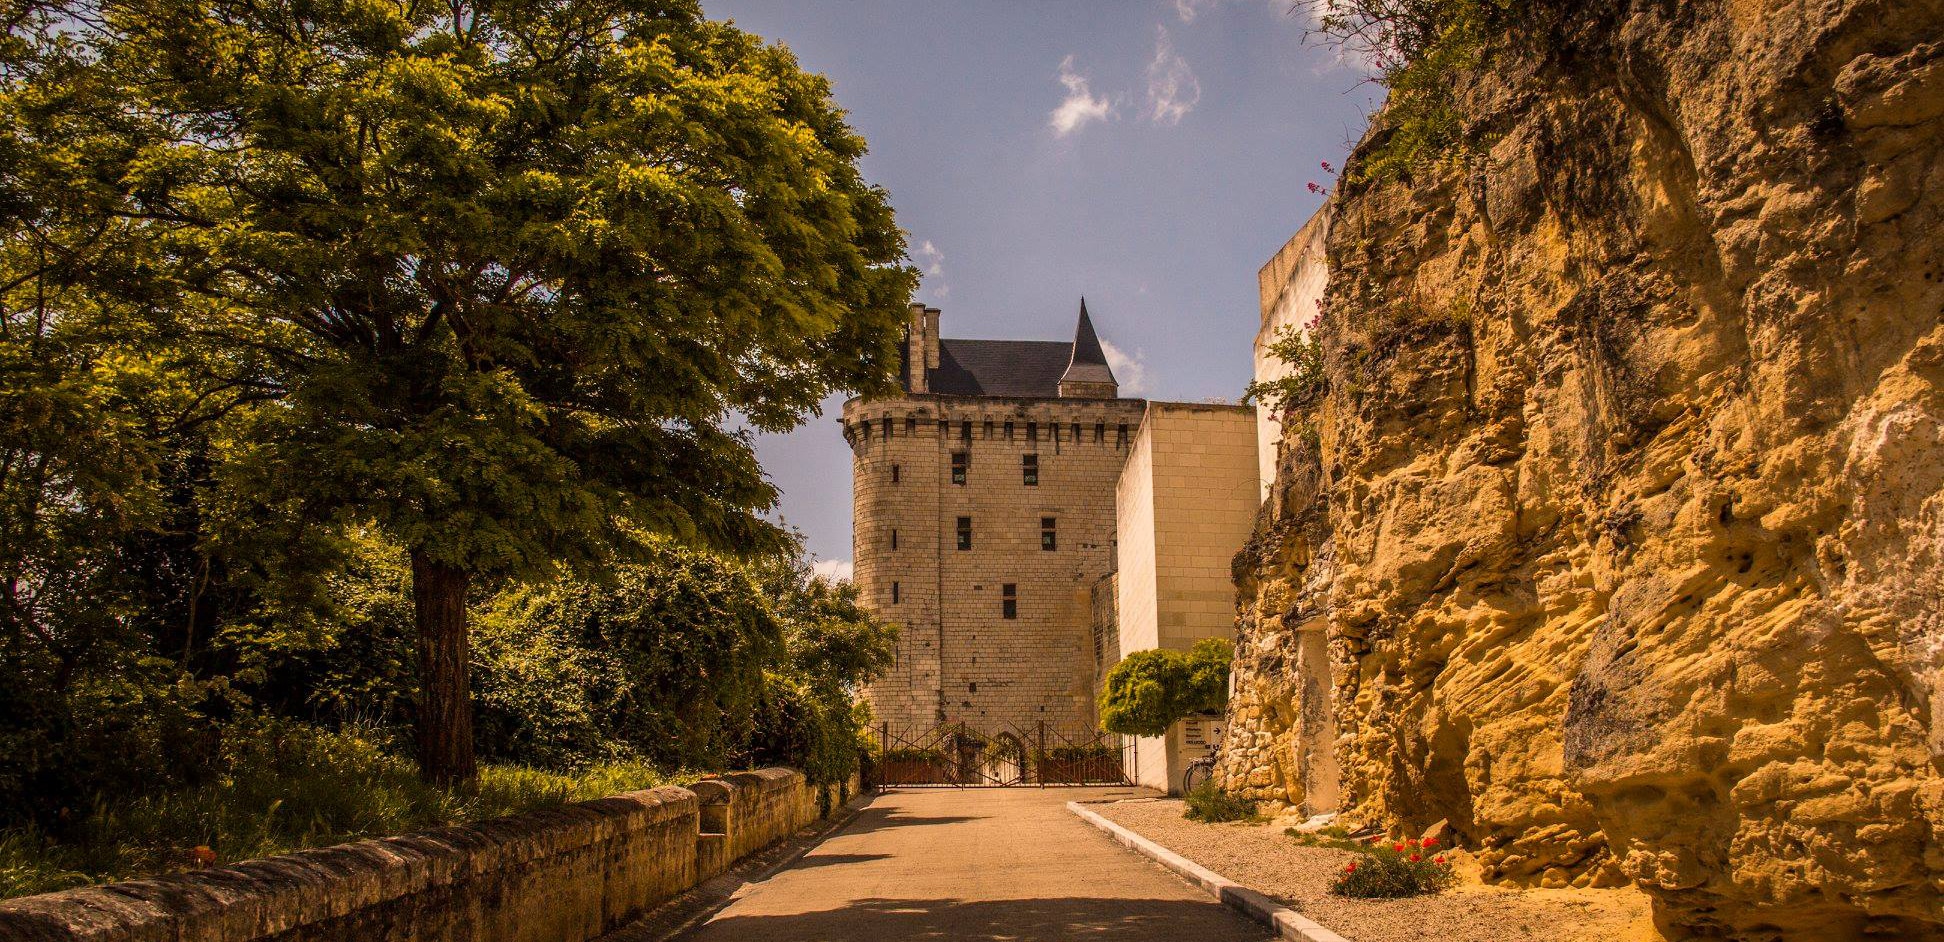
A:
1148, 154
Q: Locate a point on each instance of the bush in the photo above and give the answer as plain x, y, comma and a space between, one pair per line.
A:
280, 787
1408, 868
1209, 804
1149, 690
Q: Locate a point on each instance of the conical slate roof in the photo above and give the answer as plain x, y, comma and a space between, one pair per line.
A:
1089, 362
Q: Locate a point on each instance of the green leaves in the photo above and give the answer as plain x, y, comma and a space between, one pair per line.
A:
1148, 691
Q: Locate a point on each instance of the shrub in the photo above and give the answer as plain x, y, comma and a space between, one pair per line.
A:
1149, 690
1210, 804
1408, 868
280, 787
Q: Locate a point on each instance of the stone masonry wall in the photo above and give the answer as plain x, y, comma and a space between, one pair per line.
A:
959, 659
561, 875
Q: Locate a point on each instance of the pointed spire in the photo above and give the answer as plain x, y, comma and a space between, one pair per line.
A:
1087, 374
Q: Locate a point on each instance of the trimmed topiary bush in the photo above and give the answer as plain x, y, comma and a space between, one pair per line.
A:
1149, 690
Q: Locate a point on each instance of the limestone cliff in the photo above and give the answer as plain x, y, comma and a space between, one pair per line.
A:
1618, 538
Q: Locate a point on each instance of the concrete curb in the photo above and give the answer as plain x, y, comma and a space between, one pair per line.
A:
1288, 923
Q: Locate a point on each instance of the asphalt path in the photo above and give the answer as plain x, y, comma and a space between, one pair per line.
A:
1006, 864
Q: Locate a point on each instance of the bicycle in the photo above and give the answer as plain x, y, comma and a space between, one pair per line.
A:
1198, 773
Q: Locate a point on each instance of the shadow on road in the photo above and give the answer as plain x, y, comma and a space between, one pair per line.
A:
832, 860
1019, 920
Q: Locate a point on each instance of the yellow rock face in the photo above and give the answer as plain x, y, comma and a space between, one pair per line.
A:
1618, 541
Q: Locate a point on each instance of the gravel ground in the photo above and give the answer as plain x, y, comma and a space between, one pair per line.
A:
1262, 857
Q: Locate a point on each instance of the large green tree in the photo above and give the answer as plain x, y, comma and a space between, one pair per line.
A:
498, 276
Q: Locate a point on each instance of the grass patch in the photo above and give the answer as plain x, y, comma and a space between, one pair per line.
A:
1209, 804
285, 788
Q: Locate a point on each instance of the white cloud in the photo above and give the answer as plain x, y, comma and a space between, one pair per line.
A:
1080, 106
1129, 371
1173, 90
836, 570
1189, 9
931, 262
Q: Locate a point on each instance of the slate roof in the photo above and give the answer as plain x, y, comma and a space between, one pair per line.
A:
999, 367
1016, 368
1089, 363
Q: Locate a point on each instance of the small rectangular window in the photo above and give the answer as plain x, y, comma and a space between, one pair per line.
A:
895, 473
944, 427
1032, 431
895, 594
959, 461
1009, 600
1049, 534
1100, 432
1076, 433
1009, 427
1029, 469
1120, 434
965, 533
911, 425
965, 430
988, 428
887, 428
894, 537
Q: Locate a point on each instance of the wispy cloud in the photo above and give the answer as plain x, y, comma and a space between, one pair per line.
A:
1130, 371
1189, 9
1172, 90
1081, 106
931, 262
836, 570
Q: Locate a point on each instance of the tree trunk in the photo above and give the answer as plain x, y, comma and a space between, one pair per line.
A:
445, 697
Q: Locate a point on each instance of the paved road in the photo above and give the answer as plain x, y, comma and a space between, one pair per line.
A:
994, 864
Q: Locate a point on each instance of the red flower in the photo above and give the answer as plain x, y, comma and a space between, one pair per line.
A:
1438, 859
204, 856
1415, 858
1350, 868
1327, 167
1399, 848
1427, 842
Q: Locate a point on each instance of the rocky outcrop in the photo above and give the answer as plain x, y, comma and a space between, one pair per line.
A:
1618, 539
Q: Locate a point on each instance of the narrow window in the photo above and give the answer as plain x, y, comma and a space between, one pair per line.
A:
1009, 601
958, 466
1009, 427
1032, 431
1029, 469
887, 428
965, 533
894, 538
1049, 534
965, 430
1076, 433
1100, 432
988, 428
1120, 434
944, 427
895, 594
895, 473
911, 425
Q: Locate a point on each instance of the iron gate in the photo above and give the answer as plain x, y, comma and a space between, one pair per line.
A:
957, 755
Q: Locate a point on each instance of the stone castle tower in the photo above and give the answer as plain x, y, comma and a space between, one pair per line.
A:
983, 515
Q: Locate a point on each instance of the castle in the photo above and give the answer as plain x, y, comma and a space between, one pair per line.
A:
1027, 526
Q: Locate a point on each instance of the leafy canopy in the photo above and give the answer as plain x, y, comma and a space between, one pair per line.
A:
507, 269
1148, 691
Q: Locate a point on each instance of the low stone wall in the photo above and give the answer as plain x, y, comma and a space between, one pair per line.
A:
561, 875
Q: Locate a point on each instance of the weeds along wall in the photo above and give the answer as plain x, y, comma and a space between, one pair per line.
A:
561, 875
